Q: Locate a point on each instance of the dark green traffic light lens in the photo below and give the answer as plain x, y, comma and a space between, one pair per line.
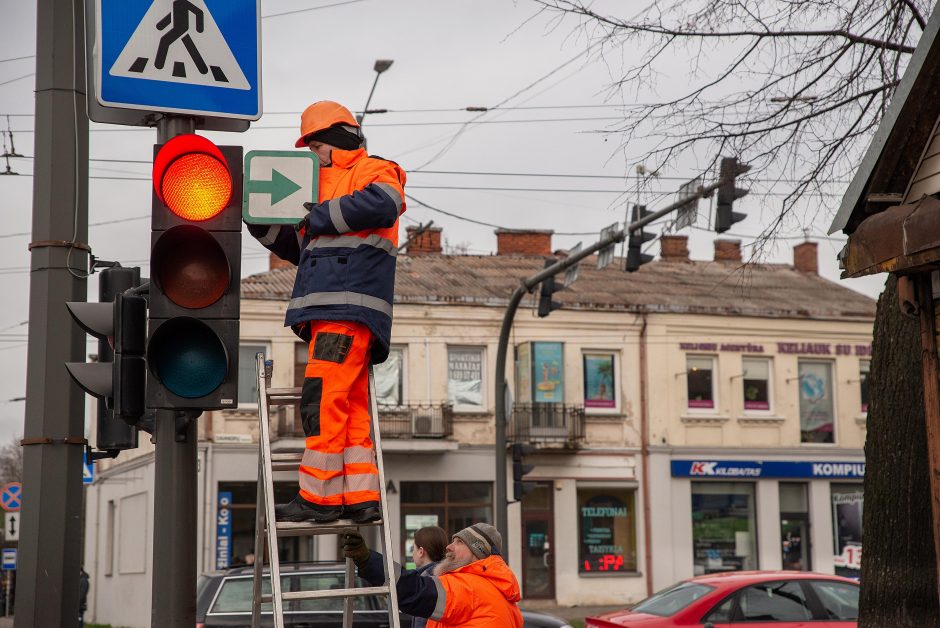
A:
187, 357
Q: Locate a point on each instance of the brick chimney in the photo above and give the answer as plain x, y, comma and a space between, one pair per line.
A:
727, 250
524, 242
674, 248
276, 263
428, 243
805, 258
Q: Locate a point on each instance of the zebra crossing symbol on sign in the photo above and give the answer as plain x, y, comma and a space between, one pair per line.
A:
180, 45
183, 56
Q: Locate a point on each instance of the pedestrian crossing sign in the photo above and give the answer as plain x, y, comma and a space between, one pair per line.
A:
192, 57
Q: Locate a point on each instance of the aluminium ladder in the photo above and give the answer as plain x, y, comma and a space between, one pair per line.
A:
266, 535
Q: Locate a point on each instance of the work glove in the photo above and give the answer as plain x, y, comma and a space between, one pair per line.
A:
354, 546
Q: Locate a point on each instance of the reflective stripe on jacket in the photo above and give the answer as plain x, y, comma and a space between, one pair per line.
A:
346, 257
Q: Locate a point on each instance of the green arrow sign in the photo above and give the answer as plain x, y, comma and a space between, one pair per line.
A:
277, 184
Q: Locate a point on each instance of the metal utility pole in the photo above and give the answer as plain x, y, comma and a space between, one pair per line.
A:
528, 285
51, 543
175, 491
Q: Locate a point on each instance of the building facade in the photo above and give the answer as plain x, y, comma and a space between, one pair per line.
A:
694, 416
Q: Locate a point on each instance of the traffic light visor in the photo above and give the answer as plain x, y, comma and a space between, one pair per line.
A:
192, 178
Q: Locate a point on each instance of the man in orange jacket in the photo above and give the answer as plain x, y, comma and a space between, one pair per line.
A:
471, 587
345, 250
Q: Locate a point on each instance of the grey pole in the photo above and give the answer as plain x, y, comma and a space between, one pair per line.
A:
51, 542
502, 348
175, 492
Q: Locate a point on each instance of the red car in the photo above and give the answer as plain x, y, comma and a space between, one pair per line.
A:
745, 599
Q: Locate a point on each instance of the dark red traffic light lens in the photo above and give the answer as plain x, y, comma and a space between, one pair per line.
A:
190, 267
191, 177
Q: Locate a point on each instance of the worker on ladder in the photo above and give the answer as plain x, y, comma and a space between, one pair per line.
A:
345, 250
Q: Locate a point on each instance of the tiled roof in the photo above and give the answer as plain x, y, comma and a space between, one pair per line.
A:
704, 287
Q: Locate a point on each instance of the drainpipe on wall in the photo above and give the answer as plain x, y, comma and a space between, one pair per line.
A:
427, 364
209, 515
644, 460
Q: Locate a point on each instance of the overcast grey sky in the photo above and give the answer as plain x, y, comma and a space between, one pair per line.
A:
448, 55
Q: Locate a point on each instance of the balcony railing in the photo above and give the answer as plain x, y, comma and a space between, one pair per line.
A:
405, 421
417, 421
546, 422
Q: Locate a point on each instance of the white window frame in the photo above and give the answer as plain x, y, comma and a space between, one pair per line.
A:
266, 348
618, 376
770, 384
715, 387
483, 374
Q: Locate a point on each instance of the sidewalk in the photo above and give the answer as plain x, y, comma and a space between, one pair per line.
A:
565, 612
6, 622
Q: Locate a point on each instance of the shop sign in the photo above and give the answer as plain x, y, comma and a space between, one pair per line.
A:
223, 531
796, 348
767, 469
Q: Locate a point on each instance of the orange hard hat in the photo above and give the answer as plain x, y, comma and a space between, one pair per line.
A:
322, 115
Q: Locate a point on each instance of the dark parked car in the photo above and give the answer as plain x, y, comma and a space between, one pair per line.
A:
223, 598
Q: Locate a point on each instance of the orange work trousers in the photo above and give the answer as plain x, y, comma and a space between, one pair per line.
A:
338, 467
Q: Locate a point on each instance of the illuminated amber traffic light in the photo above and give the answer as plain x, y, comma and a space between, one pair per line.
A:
195, 267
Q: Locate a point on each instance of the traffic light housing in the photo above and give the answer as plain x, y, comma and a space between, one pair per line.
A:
635, 255
118, 378
195, 267
728, 193
548, 288
519, 487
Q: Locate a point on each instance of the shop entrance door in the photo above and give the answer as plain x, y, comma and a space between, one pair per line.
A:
538, 565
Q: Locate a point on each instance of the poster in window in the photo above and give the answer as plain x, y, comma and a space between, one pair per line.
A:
607, 530
548, 371
465, 377
816, 408
847, 507
599, 380
524, 373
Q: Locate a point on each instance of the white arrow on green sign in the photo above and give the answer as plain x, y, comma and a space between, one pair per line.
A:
277, 184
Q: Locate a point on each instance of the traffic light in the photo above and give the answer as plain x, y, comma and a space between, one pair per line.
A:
635, 255
519, 470
548, 288
727, 194
195, 267
118, 378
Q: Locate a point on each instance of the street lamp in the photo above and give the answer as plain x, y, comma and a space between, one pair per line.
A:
380, 66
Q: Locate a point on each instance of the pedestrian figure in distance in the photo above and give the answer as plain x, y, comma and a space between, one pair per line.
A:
179, 17
83, 586
345, 250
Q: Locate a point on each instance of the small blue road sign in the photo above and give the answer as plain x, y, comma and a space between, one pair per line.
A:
197, 57
88, 470
9, 559
10, 496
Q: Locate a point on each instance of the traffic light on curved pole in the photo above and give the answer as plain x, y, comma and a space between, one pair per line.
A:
195, 268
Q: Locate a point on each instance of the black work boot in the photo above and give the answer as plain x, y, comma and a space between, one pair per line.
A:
301, 510
364, 515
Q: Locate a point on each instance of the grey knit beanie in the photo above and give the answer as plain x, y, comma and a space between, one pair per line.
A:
482, 539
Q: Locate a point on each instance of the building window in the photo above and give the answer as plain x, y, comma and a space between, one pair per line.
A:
599, 380
723, 527
756, 383
450, 505
389, 378
817, 410
701, 383
465, 377
247, 373
864, 366
606, 529
847, 505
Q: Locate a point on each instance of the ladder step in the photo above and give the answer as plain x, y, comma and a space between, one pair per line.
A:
283, 396
310, 528
328, 593
286, 461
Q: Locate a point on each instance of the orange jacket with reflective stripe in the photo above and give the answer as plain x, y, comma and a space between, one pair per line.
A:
482, 594
346, 257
